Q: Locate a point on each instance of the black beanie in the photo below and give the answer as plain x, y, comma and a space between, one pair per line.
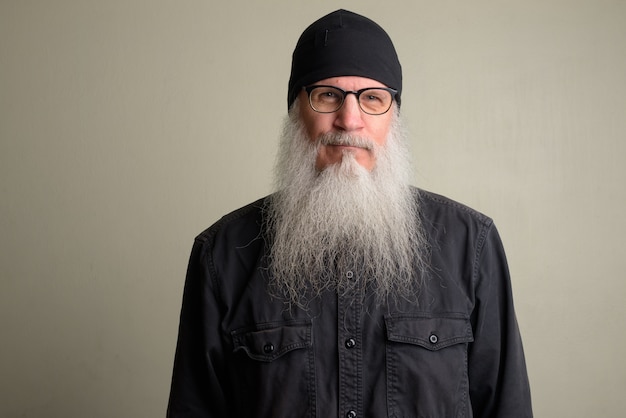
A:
343, 43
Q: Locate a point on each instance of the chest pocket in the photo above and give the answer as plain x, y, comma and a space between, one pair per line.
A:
267, 342
430, 332
427, 364
268, 358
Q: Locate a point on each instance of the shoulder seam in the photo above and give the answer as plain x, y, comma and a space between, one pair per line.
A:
208, 233
479, 216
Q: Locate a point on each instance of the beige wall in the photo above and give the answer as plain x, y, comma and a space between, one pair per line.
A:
127, 127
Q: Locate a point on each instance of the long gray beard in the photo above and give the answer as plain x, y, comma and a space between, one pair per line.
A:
344, 218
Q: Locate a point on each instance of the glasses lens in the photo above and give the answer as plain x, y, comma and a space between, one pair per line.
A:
326, 99
375, 101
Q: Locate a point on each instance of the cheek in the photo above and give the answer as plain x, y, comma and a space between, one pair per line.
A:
380, 130
314, 123
311, 131
318, 126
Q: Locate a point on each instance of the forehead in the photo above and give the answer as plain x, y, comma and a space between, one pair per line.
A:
350, 82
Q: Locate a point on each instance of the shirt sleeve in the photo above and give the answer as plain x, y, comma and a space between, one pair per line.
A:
196, 390
499, 385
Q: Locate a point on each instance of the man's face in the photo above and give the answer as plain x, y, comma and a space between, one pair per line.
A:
349, 120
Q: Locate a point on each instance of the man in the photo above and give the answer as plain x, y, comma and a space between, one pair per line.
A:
348, 293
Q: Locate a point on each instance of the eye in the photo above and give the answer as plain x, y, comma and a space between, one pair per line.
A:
325, 94
374, 96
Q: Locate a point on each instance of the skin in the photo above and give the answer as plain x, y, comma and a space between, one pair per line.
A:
350, 119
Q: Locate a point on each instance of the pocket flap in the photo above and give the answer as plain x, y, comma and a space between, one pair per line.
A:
267, 342
431, 331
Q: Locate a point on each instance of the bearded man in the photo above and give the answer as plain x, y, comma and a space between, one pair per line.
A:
348, 293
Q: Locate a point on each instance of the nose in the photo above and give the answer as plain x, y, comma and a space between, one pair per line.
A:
349, 117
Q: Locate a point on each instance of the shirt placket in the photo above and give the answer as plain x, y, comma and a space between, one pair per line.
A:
349, 347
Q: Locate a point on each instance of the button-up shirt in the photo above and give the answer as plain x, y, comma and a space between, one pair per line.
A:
455, 352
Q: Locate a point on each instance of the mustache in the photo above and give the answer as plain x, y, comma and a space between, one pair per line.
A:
334, 138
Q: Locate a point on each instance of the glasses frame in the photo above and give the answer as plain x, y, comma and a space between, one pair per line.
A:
345, 93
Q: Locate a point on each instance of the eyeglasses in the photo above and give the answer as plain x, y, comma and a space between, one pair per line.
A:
329, 99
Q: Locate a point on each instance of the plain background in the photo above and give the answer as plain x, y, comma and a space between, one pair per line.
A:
128, 126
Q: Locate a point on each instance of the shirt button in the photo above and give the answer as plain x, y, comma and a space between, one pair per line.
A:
350, 343
268, 348
351, 414
349, 274
433, 338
